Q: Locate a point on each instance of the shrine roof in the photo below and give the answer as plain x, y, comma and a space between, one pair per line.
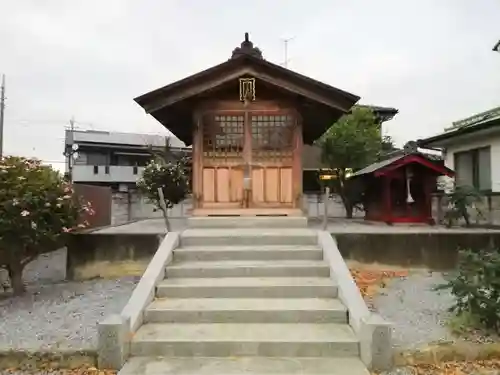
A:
247, 55
401, 160
384, 113
320, 104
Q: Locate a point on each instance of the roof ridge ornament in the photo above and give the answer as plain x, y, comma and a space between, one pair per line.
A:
247, 48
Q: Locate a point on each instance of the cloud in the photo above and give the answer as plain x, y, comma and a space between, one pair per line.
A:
90, 58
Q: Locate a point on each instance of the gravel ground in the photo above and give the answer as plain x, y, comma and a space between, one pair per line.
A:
418, 312
47, 268
57, 314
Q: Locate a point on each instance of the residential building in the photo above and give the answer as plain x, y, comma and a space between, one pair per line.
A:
471, 147
112, 158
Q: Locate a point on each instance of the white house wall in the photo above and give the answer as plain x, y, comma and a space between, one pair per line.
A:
493, 141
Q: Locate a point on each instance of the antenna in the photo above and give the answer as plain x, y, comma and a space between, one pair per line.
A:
285, 42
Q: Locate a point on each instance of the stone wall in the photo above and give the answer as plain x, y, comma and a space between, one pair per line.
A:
127, 207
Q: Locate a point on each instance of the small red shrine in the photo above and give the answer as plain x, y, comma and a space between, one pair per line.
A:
399, 189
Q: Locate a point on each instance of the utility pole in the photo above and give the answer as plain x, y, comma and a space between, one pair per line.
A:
285, 41
2, 110
71, 150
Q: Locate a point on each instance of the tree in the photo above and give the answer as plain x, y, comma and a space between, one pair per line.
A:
352, 142
388, 145
168, 173
38, 211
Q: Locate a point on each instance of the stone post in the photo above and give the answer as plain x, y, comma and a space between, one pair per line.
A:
325, 211
375, 343
113, 345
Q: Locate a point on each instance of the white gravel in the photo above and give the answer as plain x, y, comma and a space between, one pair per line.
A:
418, 312
54, 314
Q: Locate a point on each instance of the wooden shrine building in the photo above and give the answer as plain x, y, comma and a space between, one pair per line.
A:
399, 189
247, 120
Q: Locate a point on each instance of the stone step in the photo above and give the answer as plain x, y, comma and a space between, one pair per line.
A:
252, 287
243, 366
227, 340
269, 252
247, 237
247, 222
248, 268
246, 310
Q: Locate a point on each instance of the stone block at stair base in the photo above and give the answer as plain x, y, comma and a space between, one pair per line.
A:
113, 342
375, 342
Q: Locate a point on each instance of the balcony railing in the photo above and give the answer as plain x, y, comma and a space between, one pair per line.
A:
106, 173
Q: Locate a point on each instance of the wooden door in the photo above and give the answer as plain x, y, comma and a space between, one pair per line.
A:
222, 159
272, 158
258, 143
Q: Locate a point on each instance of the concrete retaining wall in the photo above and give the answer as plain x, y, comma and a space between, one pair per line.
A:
113, 255
437, 251
109, 255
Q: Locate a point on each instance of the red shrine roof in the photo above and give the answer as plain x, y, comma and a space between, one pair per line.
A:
385, 166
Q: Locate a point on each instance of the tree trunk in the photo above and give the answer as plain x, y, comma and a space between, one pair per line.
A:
343, 195
348, 210
16, 278
466, 216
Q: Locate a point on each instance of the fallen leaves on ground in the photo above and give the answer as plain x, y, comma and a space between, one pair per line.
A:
78, 371
486, 367
370, 281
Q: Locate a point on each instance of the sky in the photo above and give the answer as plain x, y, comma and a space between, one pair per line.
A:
88, 59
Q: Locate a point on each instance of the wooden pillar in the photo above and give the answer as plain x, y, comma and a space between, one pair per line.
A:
248, 174
297, 163
197, 161
387, 200
429, 183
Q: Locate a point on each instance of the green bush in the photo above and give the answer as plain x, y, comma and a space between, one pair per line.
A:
459, 201
171, 176
476, 287
38, 210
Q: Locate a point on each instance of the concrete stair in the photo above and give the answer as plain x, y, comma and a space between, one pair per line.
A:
250, 252
247, 268
243, 366
249, 236
248, 222
245, 339
251, 301
246, 310
236, 287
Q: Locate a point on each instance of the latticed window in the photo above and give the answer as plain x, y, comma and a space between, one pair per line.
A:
223, 134
272, 135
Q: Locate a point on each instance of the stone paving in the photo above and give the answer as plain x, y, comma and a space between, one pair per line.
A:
155, 226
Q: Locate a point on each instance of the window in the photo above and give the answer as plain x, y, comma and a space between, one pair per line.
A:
97, 158
473, 168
